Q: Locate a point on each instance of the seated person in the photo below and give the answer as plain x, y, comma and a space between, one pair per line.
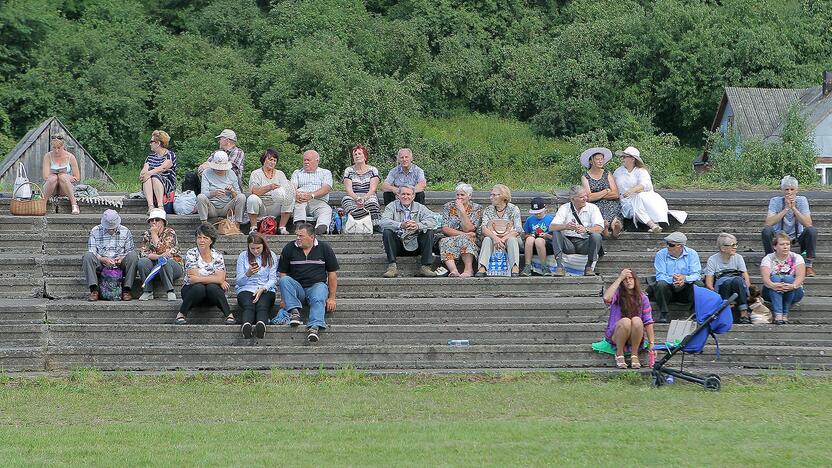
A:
501, 230
783, 273
256, 285
312, 186
158, 175
537, 232
576, 228
405, 173
205, 280
227, 142
220, 191
157, 242
602, 189
271, 193
631, 318
60, 172
360, 183
725, 273
407, 229
110, 245
308, 273
790, 214
639, 201
677, 270
460, 223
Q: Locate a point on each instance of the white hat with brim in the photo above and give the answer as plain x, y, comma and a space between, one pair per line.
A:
219, 161
157, 213
586, 155
110, 219
631, 151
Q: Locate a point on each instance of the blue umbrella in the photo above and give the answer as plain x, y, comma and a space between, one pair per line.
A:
162, 262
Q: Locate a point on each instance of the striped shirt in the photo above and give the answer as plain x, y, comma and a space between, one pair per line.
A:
311, 269
361, 182
108, 245
312, 181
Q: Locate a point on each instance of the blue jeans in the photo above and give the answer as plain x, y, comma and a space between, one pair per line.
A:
294, 294
780, 302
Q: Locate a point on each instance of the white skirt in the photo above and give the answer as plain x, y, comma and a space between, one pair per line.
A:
649, 206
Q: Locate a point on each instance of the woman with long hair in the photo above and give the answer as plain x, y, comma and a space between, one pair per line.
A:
256, 284
631, 318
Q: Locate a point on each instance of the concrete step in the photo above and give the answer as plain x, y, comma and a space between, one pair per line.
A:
23, 335
25, 359
21, 287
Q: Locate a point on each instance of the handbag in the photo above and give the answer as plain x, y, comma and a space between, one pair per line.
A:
679, 329
36, 206
22, 187
267, 226
362, 225
110, 284
501, 227
498, 264
227, 226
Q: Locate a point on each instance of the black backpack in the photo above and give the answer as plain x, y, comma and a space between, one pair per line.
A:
191, 182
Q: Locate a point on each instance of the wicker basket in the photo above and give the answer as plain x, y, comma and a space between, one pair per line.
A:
19, 207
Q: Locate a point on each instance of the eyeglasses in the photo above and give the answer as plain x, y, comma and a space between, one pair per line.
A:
154, 220
57, 137
671, 244
734, 245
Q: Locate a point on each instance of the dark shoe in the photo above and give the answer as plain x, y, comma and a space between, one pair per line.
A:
230, 320
260, 330
126, 296
312, 335
93, 295
180, 321
246, 329
589, 272
294, 319
515, 274
744, 320
663, 318
480, 274
779, 322
321, 230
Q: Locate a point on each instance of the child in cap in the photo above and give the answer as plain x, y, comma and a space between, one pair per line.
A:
538, 238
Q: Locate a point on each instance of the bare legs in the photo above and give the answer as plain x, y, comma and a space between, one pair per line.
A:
467, 261
59, 184
628, 331
152, 187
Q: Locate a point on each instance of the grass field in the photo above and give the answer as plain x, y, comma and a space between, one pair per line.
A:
349, 418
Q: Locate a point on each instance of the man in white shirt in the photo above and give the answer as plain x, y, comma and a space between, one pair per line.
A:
577, 228
312, 186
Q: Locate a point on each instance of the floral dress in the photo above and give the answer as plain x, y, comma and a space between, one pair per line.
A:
166, 241
452, 247
194, 261
610, 209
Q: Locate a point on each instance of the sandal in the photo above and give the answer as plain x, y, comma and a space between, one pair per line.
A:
634, 362
75, 210
230, 320
619, 362
180, 320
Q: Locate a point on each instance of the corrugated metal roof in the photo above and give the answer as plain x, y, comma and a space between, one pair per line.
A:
758, 112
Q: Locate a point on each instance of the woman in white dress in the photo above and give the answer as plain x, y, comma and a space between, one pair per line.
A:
638, 200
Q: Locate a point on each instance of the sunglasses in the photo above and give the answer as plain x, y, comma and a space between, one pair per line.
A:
734, 245
154, 220
58, 137
153, 141
671, 244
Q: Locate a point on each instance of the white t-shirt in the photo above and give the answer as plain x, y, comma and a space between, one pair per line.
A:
782, 267
259, 179
590, 216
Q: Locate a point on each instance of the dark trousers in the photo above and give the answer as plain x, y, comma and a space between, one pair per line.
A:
203, 294
390, 197
393, 247
733, 285
571, 245
807, 239
255, 311
664, 292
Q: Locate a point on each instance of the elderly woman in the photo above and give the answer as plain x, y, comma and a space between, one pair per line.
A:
204, 282
783, 272
360, 183
602, 189
271, 193
631, 318
638, 200
60, 172
157, 242
726, 274
460, 223
501, 230
158, 175
256, 284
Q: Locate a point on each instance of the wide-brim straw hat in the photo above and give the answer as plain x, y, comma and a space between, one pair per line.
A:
586, 155
630, 151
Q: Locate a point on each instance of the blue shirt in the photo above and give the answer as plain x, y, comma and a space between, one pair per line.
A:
787, 224
265, 279
397, 177
687, 264
533, 222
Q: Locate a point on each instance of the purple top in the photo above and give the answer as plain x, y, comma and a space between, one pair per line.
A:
615, 314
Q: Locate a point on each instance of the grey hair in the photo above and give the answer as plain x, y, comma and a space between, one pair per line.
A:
575, 190
404, 150
462, 186
725, 238
308, 227
788, 181
408, 186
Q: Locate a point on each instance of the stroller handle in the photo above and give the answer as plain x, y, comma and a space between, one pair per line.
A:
732, 298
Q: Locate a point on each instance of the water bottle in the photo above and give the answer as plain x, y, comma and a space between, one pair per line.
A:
458, 343
338, 223
669, 380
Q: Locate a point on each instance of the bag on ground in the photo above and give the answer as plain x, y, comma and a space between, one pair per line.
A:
498, 264
267, 226
109, 286
185, 203
362, 225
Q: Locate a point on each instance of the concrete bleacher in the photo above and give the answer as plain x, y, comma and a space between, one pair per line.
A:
398, 324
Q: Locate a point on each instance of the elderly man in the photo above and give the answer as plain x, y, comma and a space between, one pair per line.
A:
220, 191
790, 214
110, 245
227, 141
407, 229
307, 269
405, 173
677, 270
576, 228
312, 185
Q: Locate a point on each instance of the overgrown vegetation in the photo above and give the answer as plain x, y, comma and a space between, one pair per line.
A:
330, 73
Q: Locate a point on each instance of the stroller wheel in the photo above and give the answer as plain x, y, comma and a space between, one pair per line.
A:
714, 376
657, 379
712, 383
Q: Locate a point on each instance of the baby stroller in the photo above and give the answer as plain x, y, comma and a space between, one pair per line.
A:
713, 314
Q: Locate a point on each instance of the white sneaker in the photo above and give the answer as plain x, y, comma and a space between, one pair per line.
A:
171, 296
146, 296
